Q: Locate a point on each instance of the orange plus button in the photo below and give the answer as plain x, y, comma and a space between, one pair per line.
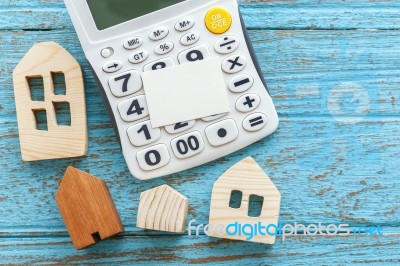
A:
218, 20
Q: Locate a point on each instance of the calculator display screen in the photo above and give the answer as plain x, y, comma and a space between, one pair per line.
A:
108, 13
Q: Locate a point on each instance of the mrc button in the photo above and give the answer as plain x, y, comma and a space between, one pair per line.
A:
218, 20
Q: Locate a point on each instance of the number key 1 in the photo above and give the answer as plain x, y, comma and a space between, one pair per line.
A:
142, 134
125, 83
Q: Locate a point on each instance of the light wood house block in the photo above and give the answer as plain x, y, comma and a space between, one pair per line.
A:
162, 208
87, 208
44, 60
248, 178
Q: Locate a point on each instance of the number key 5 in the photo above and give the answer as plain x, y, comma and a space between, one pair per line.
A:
125, 83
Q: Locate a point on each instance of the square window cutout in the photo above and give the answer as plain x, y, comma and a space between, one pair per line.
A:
185, 92
40, 119
58, 83
36, 88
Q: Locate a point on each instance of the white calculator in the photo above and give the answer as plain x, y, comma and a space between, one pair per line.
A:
180, 79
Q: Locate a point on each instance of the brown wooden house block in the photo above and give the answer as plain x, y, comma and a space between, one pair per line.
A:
162, 208
248, 179
87, 208
44, 61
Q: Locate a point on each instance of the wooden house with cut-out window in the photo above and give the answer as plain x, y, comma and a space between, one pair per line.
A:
51, 122
243, 195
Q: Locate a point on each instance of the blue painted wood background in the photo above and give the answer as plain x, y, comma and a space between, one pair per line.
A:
333, 68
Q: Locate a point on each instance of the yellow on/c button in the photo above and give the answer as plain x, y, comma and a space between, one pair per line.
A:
218, 20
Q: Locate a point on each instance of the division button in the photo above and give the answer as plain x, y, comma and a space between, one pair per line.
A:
248, 103
138, 57
189, 38
233, 64
222, 132
184, 24
218, 20
240, 83
112, 66
226, 45
158, 34
255, 122
153, 157
133, 43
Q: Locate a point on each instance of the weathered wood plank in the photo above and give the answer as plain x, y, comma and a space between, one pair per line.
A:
298, 250
328, 14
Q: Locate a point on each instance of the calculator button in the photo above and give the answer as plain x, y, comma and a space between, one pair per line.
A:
159, 64
112, 66
138, 57
254, 122
158, 34
184, 24
125, 83
194, 54
190, 38
133, 43
233, 64
222, 132
153, 157
187, 145
179, 127
142, 134
240, 83
163, 48
248, 103
218, 20
107, 52
213, 117
133, 109
226, 45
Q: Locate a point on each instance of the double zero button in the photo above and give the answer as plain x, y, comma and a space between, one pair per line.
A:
187, 145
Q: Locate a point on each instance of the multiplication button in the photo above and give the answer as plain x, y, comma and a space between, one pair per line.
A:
240, 83
255, 122
222, 132
233, 64
153, 157
226, 45
187, 145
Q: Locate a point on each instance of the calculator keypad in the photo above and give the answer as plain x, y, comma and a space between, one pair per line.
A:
153, 157
143, 134
187, 145
217, 130
133, 109
125, 83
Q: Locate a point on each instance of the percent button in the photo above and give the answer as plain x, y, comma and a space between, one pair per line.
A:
163, 48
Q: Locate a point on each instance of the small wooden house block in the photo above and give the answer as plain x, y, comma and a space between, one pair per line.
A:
87, 208
248, 180
162, 208
43, 62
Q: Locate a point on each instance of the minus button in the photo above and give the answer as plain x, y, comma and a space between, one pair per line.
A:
240, 83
